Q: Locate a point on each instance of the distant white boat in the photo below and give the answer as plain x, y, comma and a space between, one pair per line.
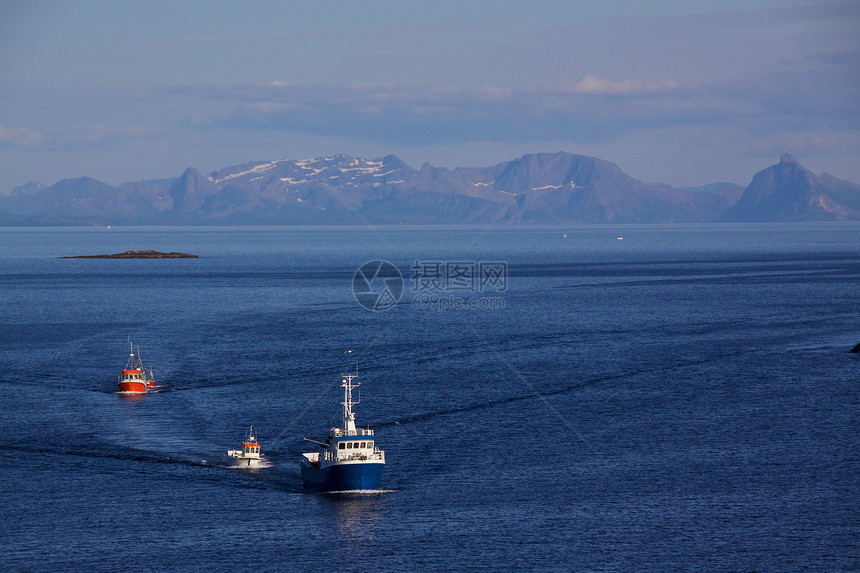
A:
249, 455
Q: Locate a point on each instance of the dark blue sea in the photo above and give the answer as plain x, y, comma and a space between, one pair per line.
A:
681, 398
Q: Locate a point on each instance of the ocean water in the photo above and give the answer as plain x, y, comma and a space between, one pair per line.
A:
681, 399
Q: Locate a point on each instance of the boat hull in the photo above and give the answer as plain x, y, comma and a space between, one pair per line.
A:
240, 461
132, 387
343, 476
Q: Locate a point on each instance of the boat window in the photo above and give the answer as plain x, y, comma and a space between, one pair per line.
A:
341, 446
369, 444
363, 444
349, 445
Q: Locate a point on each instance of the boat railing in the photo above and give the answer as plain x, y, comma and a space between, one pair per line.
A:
338, 432
377, 454
333, 456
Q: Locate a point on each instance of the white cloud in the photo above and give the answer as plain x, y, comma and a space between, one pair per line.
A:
592, 85
274, 106
661, 86
798, 144
21, 136
100, 133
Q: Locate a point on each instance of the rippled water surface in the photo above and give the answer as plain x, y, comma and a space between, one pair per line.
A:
681, 398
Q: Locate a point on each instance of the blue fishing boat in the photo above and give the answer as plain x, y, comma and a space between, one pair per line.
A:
348, 459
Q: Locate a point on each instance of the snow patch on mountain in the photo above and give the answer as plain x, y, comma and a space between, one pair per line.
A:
257, 169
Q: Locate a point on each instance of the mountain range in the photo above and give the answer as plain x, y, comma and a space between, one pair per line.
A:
538, 188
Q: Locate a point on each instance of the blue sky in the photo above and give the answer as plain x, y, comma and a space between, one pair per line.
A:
681, 92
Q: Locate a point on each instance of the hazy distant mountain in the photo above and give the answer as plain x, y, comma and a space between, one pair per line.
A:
83, 201
538, 188
788, 191
29, 187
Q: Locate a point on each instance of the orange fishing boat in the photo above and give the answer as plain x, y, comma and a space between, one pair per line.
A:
134, 379
249, 455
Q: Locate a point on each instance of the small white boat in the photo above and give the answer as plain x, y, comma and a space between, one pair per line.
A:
249, 455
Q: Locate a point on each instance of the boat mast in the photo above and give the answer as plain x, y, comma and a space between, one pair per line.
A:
348, 415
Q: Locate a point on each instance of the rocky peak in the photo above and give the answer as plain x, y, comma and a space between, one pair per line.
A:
190, 190
788, 191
